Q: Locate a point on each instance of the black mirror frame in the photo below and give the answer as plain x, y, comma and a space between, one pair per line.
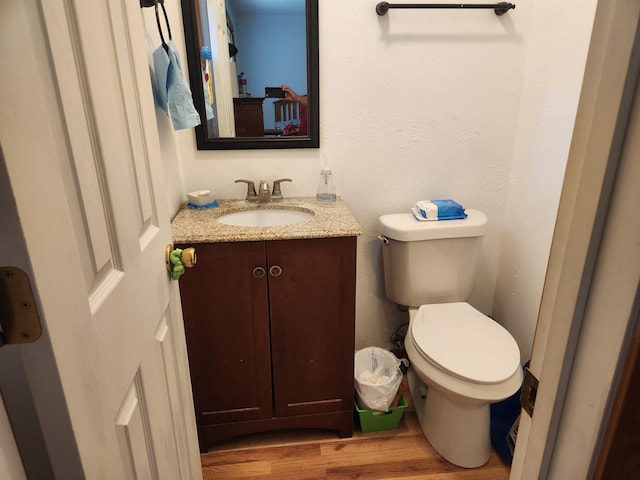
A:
190, 21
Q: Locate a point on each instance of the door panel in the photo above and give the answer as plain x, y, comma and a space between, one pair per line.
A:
312, 334
167, 354
132, 429
226, 316
90, 196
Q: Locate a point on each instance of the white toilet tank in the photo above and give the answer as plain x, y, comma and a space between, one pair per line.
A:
431, 261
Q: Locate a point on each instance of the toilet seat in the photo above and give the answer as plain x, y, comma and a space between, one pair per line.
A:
465, 343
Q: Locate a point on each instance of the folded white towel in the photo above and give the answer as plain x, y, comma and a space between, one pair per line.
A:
418, 215
428, 209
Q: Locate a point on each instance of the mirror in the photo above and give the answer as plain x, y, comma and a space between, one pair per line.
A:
236, 50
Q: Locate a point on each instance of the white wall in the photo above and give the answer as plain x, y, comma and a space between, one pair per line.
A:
168, 138
434, 104
556, 57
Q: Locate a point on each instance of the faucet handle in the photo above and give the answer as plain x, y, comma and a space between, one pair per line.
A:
277, 194
251, 190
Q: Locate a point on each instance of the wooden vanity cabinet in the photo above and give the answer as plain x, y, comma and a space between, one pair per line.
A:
270, 336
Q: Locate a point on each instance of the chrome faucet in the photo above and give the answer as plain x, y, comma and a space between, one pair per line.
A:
264, 194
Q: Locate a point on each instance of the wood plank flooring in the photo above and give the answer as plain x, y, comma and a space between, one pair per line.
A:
402, 453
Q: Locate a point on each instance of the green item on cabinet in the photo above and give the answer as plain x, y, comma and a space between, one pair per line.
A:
177, 267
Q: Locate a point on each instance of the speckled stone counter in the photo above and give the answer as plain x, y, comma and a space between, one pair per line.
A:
331, 219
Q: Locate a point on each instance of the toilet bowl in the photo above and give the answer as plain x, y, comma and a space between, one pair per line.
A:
462, 361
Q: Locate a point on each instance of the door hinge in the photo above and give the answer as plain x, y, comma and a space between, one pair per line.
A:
19, 319
529, 392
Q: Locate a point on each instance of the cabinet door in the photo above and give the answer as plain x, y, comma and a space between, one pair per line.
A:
312, 324
226, 317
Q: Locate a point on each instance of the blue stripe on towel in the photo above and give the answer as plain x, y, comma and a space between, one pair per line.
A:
448, 209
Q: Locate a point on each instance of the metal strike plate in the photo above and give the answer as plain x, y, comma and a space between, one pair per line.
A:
529, 392
19, 319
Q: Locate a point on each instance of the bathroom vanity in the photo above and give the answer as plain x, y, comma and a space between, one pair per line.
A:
269, 317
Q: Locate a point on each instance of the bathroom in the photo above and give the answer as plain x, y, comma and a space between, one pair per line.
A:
463, 105
428, 104
432, 104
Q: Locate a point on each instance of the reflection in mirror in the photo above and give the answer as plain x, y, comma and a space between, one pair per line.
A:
253, 66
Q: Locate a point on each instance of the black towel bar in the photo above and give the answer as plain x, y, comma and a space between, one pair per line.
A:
499, 8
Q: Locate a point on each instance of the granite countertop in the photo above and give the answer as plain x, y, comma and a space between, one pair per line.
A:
331, 219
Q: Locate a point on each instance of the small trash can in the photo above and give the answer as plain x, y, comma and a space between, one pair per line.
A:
375, 420
377, 378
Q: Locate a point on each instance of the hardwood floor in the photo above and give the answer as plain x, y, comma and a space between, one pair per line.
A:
402, 453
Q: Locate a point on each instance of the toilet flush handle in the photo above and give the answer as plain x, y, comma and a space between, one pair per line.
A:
383, 239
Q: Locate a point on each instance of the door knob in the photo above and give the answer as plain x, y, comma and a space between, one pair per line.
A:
177, 259
259, 272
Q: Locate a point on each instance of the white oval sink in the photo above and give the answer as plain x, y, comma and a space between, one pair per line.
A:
265, 217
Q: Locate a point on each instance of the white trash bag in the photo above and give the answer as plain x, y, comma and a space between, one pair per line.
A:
377, 377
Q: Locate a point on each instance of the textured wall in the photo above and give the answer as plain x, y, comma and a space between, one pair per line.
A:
435, 104
556, 56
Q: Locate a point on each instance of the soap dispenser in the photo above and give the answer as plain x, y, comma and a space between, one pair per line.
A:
326, 190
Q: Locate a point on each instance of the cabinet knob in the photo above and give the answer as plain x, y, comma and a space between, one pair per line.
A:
275, 271
259, 272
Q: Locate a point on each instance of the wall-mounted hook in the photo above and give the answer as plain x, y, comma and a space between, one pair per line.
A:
149, 3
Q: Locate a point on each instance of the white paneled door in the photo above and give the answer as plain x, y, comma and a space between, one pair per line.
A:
81, 148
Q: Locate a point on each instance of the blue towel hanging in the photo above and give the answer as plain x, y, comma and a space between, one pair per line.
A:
172, 92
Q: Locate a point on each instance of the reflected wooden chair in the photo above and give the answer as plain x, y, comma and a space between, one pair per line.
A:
286, 112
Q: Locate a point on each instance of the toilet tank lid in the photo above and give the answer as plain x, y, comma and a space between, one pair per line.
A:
404, 227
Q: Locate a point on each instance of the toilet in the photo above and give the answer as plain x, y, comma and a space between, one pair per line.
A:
461, 360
